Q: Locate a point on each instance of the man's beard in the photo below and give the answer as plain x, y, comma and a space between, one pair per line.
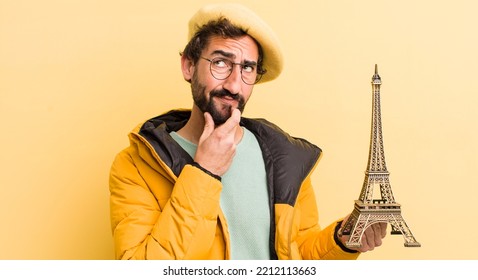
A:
219, 113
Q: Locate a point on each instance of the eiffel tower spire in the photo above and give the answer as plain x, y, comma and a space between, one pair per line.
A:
370, 209
376, 171
376, 158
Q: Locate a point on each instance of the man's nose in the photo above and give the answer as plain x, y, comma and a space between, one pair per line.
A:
233, 83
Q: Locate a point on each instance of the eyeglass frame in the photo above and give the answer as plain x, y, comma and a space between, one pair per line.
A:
258, 73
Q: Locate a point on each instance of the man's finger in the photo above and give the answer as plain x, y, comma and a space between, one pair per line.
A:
208, 126
383, 229
365, 243
378, 234
231, 123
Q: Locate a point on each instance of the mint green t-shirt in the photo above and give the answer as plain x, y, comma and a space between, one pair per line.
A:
244, 199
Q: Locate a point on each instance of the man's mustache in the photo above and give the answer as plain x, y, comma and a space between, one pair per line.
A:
225, 93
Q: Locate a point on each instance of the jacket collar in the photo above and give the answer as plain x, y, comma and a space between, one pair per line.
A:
288, 160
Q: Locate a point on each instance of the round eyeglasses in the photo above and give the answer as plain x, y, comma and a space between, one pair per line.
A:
221, 68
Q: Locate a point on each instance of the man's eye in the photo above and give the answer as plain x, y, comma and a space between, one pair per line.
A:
220, 63
248, 68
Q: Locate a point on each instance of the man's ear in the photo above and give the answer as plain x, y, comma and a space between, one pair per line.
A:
187, 67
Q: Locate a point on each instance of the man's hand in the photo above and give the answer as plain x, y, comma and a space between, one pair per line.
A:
371, 238
217, 146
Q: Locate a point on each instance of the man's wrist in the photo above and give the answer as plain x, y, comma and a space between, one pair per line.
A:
339, 242
197, 165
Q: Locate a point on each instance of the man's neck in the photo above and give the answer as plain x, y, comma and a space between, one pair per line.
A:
195, 125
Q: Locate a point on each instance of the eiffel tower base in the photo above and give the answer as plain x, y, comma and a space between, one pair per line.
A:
365, 215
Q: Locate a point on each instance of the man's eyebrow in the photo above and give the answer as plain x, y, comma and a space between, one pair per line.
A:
232, 56
223, 53
250, 63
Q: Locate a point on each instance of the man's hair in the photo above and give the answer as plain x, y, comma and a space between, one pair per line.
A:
223, 28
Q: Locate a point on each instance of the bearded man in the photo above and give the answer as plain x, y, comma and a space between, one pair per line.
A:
207, 183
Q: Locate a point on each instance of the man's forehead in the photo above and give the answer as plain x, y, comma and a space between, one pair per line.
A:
233, 47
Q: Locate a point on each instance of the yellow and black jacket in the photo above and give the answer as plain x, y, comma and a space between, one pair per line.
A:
164, 206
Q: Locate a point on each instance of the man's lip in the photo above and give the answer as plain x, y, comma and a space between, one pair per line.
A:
227, 99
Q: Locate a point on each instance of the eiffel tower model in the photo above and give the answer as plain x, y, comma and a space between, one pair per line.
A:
370, 209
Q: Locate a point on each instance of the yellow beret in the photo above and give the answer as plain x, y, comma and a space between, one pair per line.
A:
247, 20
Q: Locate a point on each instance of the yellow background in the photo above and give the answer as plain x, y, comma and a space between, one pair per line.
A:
77, 75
